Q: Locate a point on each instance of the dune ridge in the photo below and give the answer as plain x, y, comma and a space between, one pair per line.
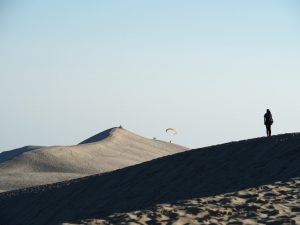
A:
112, 149
235, 167
99, 137
8, 155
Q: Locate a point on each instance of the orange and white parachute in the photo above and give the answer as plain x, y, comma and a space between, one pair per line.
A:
171, 131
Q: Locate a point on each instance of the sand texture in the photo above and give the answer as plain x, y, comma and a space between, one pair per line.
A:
245, 182
109, 150
277, 203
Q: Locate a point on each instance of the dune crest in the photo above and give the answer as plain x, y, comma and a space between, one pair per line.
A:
8, 155
100, 136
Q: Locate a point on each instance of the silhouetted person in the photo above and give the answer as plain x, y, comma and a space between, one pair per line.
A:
268, 121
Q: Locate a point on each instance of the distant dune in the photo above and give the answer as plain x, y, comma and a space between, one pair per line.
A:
8, 155
109, 150
247, 182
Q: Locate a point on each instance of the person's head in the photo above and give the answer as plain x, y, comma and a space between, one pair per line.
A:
268, 111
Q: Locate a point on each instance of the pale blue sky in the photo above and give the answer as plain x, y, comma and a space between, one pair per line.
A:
70, 69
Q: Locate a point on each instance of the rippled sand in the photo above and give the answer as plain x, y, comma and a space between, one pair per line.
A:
277, 203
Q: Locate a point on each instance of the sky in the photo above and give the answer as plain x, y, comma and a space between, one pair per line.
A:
70, 69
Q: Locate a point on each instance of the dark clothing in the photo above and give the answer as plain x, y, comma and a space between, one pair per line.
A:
269, 132
268, 120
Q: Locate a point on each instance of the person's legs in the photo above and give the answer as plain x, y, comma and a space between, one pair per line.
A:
268, 130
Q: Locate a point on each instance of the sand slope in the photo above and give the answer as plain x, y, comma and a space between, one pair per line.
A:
8, 155
276, 203
204, 177
109, 150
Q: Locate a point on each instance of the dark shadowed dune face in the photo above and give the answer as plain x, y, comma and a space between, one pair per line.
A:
193, 174
98, 137
7, 155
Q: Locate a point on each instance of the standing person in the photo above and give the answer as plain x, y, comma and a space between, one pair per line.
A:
268, 120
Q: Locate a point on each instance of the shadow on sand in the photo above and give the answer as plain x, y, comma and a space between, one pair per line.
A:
7, 155
196, 173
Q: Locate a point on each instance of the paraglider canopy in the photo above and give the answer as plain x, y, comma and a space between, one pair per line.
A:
171, 131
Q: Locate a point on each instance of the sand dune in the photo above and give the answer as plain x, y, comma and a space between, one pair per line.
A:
276, 203
8, 155
109, 150
237, 179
